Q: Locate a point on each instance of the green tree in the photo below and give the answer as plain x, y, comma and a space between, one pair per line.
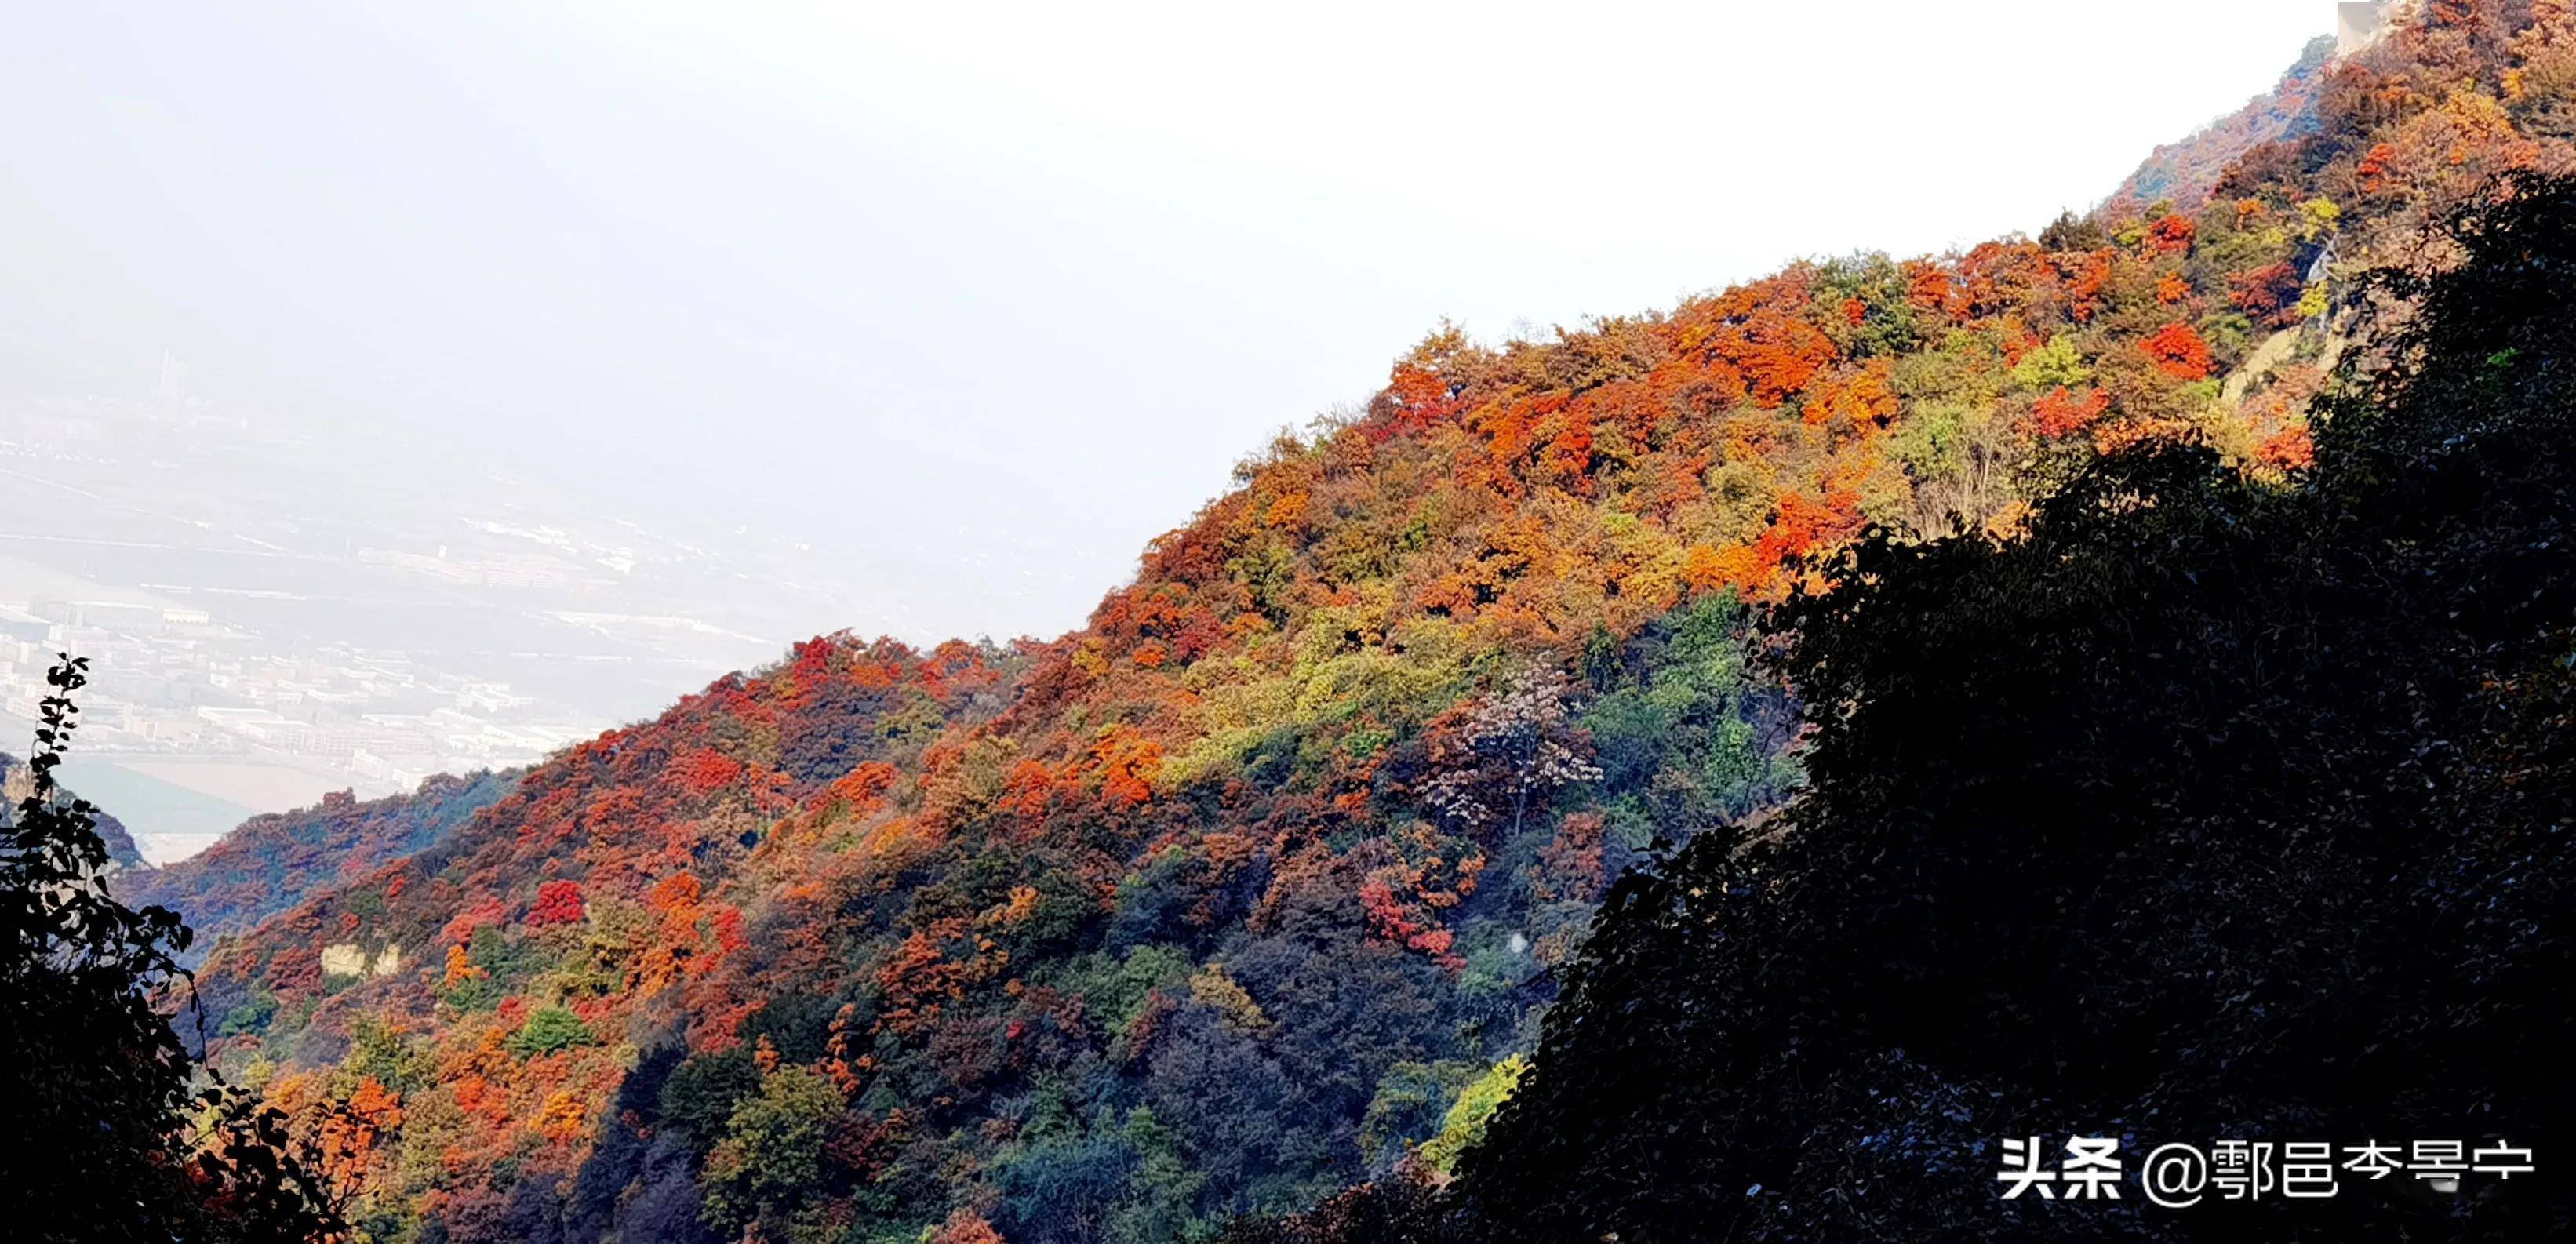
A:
1411, 1102
1464, 1128
771, 1158
1696, 732
549, 1029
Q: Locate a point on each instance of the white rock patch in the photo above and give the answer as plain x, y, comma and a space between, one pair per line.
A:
343, 959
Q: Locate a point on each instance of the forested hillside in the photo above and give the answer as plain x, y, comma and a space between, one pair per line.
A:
1262, 883
2199, 810
2185, 173
271, 862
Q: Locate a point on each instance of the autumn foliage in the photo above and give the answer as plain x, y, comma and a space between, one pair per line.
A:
1214, 905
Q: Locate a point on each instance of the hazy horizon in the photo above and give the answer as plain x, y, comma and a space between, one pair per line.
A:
923, 288
699, 331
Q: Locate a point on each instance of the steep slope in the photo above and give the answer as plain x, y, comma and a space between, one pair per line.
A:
2186, 173
2205, 811
1217, 904
272, 861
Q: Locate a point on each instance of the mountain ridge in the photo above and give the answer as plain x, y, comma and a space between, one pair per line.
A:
2187, 172
270, 862
1221, 902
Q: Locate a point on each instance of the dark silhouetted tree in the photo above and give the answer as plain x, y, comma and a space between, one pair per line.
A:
111, 1135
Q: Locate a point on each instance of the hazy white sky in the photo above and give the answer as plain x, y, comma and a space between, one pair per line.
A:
991, 292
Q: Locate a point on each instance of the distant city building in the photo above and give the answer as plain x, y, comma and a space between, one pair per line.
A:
281, 674
103, 614
173, 731
81, 641
490, 697
401, 773
252, 723
331, 744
